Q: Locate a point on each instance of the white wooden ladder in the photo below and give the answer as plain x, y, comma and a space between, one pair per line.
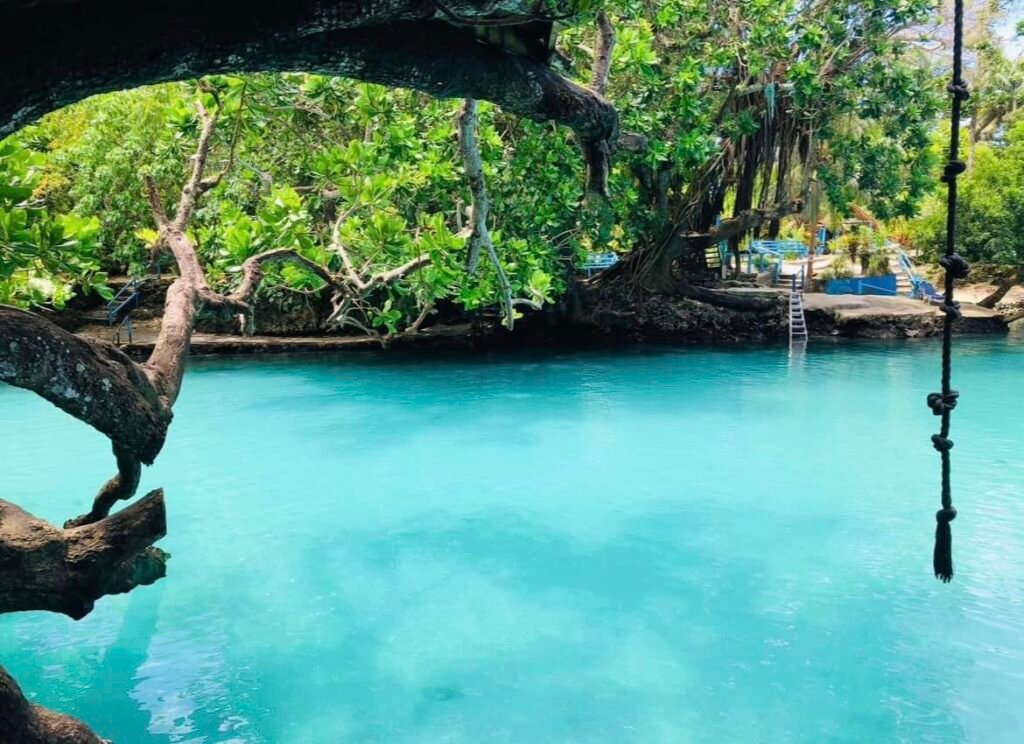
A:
797, 317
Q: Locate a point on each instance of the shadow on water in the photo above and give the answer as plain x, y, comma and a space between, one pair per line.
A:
107, 702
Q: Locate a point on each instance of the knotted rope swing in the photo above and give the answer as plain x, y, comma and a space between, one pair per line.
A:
942, 404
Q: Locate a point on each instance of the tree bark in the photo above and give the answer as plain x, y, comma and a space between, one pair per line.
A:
22, 722
95, 382
65, 51
1001, 290
43, 567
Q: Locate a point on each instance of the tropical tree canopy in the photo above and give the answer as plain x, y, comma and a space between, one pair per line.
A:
739, 105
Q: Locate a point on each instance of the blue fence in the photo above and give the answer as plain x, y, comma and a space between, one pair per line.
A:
599, 262
919, 288
863, 285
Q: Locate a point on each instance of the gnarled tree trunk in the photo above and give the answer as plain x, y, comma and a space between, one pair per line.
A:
1001, 290
22, 722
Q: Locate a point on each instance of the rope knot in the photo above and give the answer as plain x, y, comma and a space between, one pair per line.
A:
956, 265
952, 309
942, 402
953, 169
945, 515
941, 443
959, 90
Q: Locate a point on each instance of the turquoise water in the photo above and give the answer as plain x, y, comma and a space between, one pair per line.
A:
653, 545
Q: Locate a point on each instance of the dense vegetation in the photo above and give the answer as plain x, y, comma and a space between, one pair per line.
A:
991, 195
742, 105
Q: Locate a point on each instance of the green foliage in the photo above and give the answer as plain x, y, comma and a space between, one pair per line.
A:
312, 148
840, 268
877, 264
44, 254
990, 221
868, 96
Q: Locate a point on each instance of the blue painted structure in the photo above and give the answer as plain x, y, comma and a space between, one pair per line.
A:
863, 285
599, 262
919, 288
783, 247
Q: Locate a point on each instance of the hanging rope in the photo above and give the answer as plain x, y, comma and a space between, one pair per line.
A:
942, 404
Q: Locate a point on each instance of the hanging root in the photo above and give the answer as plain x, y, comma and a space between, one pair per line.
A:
479, 236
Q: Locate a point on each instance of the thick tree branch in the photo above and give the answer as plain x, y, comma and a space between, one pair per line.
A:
66, 571
119, 488
193, 188
740, 224
749, 302
352, 276
94, 382
23, 722
603, 54
252, 271
155, 203
213, 182
166, 363
69, 50
1002, 289
399, 272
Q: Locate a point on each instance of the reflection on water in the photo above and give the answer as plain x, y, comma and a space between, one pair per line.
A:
650, 545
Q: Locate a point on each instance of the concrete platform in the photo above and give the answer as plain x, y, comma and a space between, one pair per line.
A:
891, 317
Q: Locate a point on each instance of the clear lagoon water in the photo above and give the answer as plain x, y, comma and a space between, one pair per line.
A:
635, 545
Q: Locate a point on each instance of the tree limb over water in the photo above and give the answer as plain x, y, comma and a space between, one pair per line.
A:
43, 567
27, 723
65, 51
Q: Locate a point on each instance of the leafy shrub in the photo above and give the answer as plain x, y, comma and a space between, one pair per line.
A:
878, 264
990, 225
44, 255
840, 268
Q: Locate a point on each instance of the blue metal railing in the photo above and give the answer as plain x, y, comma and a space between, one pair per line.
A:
774, 252
119, 309
919, 288
785, 246
763, 256
599, 262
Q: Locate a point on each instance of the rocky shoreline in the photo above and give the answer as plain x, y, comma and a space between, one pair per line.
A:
587, 318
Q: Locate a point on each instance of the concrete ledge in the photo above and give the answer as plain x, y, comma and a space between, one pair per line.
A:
875, 316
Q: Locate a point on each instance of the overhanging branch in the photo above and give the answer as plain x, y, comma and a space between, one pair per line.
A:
66, 571
742, 223
94, 382
66, 51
